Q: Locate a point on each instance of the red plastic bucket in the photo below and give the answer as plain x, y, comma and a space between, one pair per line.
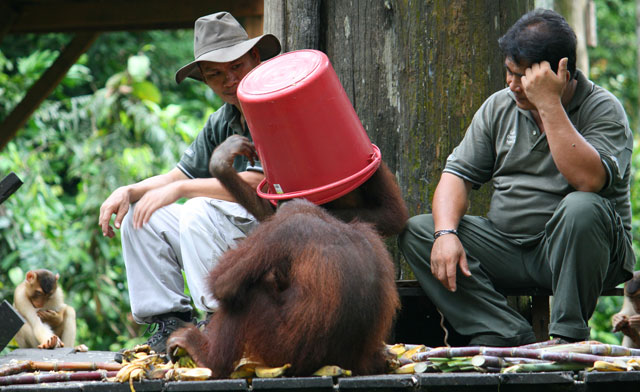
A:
308, 136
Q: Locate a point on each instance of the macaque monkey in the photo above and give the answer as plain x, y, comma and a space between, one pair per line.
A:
50, 323
628, 319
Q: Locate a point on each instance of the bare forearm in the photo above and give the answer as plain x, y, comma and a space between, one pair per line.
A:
575, 158
450, 201
137, 190
212, 187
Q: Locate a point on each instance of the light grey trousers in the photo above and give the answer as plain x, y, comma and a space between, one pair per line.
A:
190, 237
582, 251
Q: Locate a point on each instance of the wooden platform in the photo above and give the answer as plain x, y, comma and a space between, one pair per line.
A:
476, 382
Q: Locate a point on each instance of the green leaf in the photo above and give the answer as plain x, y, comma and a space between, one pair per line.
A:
138, 67
16, 275
146, 91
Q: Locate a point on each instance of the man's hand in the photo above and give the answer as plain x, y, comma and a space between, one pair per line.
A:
117, 203
152, 201
544, 87
226, 152
447, 253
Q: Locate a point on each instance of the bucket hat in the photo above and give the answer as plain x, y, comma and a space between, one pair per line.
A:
220, 38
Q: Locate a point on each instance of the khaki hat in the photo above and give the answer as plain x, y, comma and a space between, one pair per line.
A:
220, 38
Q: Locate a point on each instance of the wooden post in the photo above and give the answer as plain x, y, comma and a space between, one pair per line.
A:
295, 23
44, 86
416, 71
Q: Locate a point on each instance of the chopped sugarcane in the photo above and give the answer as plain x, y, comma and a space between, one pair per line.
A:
56, 377
31, 366
545, 367
552, 356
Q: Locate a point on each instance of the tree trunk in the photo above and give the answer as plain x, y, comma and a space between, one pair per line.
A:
296, 23
576, 13
415, 70
638, 46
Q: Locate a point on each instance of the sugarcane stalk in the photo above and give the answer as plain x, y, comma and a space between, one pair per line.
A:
56, 377
545, 367
449, 352
595, 349
544, 343
75, 366
16, 368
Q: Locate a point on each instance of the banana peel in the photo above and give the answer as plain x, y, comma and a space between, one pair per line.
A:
188, 374
397, 349
604, 366
332, 371
412, 351
271, 372
411, 368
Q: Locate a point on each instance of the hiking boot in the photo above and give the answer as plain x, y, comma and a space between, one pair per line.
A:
165, 325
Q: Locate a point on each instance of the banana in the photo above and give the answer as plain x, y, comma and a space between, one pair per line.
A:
397, 349
633, 364
179, 352
604, 366
411, 368
125, 373
192, 374
269, 372
332, 371
246, 363
137, 374
412, 351
185, 362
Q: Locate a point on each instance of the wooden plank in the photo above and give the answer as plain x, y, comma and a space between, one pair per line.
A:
10, 323
9, 185
44, 86
37, 16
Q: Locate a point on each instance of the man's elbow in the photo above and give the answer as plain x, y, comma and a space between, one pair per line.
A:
592, 184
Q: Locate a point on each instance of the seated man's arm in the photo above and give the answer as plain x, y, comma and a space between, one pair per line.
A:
577, 160
450, 202
187, 188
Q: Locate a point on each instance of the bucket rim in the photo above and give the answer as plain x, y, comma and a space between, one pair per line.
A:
354, 181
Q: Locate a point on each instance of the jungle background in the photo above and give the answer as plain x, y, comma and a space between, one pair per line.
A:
119, 117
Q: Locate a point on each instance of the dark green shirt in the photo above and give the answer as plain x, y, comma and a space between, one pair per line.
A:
220, 125
503, 145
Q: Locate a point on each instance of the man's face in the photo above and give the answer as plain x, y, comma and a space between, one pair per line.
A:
515, 72
223, 78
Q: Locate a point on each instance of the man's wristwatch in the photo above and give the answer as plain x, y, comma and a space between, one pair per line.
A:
440, 233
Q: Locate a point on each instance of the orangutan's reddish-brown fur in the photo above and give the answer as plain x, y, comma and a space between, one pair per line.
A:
304, 288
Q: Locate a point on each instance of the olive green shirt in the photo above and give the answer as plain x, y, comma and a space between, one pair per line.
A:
220, 125
504, 145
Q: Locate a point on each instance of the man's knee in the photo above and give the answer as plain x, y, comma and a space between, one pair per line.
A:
193, 211
582, 210
416, 240
127, 222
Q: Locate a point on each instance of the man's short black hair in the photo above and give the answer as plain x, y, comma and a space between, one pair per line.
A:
540, 35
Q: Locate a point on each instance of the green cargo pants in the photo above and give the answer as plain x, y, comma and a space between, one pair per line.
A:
584, 249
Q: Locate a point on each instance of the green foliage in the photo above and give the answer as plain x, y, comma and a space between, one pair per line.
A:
613, 66
78, 147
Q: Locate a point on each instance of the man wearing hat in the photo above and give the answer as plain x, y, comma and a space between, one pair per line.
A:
160, 238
